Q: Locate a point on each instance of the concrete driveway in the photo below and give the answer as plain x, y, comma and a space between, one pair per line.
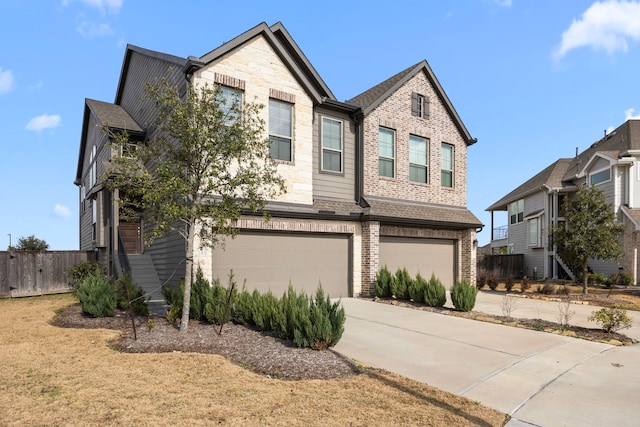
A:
538, 378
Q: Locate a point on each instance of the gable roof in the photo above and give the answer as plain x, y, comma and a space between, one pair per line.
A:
106, 114
372, 98
286, 49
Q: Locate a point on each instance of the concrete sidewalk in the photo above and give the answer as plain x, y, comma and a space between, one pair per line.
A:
538, 378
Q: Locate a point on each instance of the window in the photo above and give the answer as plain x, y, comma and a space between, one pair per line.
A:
230, 102
93, 172
386, 152
94, 220
280, 129
418, 159
534, 234
600, 177
331, 145
516, 212
419, 105
447, 166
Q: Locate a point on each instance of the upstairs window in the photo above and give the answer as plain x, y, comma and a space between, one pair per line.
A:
93, 167
419, 105
281, 130
418, 159
516, 212
386, 152
331, 145
600, 177
446, 178
230, 102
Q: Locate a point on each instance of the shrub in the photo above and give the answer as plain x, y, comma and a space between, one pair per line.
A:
492, 281
598, 279
292, 312
400, 286
243, 307
97, 297
417, 289
325, 324
621, 279
383, 283
548, 289
463, 295
136, 294
525, 284
80, 271
509, 282
435, 294
611, 319
482, 279
264, 310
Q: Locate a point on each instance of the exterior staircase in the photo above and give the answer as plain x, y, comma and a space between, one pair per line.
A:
143, 272
565, 267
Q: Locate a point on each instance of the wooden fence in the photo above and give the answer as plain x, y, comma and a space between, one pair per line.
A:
37, 273
502, 266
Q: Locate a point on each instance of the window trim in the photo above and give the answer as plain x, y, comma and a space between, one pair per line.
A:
537, 219
424, 165
93, 166
323, 148
600, 172
286, 137
453, 164
381, 157
519, 212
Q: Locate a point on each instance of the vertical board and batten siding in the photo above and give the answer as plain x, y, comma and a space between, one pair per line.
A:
328, 184
37, 273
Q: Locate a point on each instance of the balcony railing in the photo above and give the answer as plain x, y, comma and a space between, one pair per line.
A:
500, 233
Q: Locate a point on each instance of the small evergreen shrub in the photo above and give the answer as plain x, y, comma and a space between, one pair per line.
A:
292, 313
611, 319
509, 282
324, 326
598, 279
492, 281
97, 297
482, 279
264, 310
242, 308
417, 289
463, 295
80, 271
383, 283
525, 284
435, 294
621, 279
400, 286
136, 293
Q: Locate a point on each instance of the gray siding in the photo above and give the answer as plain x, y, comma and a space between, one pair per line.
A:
168, 254
327, 184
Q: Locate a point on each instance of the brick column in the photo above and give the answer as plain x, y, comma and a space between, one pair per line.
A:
370, 256
467, 256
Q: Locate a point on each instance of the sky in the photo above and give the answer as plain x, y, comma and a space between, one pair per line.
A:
532, 80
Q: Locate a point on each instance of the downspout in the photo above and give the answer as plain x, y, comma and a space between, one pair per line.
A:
358, 119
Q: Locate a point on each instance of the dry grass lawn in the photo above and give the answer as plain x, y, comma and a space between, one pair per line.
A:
52, 376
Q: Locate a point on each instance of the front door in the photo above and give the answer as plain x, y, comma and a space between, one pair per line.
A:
131, 233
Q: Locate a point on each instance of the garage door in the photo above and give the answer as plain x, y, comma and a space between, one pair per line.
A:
426, 256
270, 261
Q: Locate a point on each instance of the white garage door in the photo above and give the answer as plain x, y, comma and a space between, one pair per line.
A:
270, 261
426, 256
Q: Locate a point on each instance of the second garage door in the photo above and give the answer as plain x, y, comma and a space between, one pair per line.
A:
426, 256
270, 261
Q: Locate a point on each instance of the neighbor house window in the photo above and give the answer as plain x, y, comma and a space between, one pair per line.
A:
534, 232
230, 102
419, 105
516, 212
331, 145
418, 159
94, 219
600, 177
281, 129
386, 152
447, 165
93, 171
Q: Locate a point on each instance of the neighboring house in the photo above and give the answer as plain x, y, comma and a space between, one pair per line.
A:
611, 164
377, 180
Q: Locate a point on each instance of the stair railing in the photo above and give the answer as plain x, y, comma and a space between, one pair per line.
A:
123, 258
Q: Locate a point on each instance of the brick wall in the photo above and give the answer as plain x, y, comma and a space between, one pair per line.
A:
395, 113
370, 255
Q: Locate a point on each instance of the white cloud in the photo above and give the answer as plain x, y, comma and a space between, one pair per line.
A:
6, 81
61, 211
90, 30
504, 3
44, 121
110, 6
631, 114
607, 25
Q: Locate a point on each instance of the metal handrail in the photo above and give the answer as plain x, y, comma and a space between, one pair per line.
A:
500, 233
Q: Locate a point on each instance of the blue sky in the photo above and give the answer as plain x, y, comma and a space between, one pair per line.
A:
532, 79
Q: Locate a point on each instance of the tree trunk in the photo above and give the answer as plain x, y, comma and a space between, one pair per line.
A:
186, 305
585, 278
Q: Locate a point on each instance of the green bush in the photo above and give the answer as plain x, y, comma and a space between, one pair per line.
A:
136, 293
400, 286
598, 279
435, 294
417, 289
97, 297
463, 295
264, 311
324, 326
383, 283
611, 319
80, 271
291, 314
621, 279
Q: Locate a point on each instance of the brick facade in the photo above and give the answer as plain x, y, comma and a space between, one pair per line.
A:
370, 255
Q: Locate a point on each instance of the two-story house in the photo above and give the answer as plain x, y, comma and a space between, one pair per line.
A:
533, 208
377, 180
